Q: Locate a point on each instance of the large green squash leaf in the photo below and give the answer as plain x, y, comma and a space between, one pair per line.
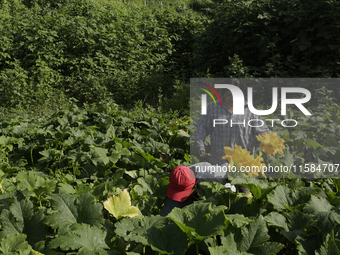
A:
322, 211
225, 250
254, 239
166, 237
259, 188
283, 198
121, 206
329, 246
297, 222
277, 220
71, 210
200, 220
136, 228
308, 245
34, 185
238, 220
88, 239
21, 219
15, 243
99, 155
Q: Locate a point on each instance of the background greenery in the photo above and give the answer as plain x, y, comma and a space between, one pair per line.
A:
95, 100
51, 51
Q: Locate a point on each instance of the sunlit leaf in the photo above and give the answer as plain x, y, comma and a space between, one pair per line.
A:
120, 206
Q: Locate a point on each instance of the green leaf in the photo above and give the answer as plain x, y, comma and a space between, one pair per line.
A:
121, 206
15, 243
254, 235
313, 144
88, 239
49, 155
282, 198
307, 245
35, 184
100, 155
167, 237
21, 219
150, 183
65, 188
277, 220
238, 220
218, 250
297, 222
111, 132
136, 228
70, 210
322, 211
255, 239
287, 159
259, 188
200, 220
229, 246
329, 246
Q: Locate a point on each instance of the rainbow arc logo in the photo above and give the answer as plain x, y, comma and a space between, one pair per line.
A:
209, 93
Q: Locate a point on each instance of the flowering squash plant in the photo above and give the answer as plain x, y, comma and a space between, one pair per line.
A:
271, 144
241, 158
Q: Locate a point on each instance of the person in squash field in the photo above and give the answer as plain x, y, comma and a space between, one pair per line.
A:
183, 185
181, 190
227, 135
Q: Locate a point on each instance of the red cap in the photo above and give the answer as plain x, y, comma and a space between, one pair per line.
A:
182, 179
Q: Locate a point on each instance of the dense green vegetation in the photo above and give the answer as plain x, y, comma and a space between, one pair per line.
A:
95, 102
57, 171
51, 51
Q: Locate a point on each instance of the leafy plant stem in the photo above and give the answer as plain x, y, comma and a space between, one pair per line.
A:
32, 155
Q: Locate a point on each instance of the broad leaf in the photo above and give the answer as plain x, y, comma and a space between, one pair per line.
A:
70, 210
200, 220
277, 220
99, 155
88, 239
150, 183
136, 228
308, 245
238, 220
35, 184
21, 219
121, 206
297, 222
329, 246
225, 250
321, 209
167, 237
282, 198
259, 188
15, 243
255, 239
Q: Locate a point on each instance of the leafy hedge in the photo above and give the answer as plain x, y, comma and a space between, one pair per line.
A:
298, 38
93, 50
88, 50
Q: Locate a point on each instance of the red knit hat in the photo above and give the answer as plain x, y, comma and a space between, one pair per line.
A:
182, 179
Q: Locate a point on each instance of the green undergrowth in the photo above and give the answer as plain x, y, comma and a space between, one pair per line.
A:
93, 180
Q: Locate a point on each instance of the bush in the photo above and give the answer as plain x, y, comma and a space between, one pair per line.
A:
297, 38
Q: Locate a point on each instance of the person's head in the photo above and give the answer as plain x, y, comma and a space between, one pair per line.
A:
182, 183
234, 81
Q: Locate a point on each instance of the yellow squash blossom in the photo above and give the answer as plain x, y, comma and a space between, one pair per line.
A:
243, 159
271, 144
